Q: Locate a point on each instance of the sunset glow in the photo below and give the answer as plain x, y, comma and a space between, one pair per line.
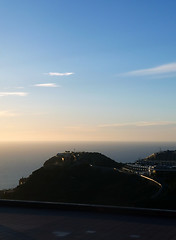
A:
87, 71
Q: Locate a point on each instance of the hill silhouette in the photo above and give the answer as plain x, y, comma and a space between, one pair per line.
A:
162, 157
84, 178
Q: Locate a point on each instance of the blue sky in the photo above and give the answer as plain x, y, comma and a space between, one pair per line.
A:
101, 70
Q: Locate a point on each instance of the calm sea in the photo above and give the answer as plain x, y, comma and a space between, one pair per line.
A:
20, 159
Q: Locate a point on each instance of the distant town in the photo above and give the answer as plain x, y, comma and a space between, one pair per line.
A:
164, 161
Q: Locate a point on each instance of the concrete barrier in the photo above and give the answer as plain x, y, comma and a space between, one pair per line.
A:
89, 208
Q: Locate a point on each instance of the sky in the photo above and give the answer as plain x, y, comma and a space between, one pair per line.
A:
92, 70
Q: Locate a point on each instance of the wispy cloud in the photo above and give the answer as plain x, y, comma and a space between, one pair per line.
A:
20, 94
46, 85
159, 70
139, 124
7, 114
60, 74
81, 128
19, 87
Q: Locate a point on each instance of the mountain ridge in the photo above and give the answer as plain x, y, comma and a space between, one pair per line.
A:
91, 178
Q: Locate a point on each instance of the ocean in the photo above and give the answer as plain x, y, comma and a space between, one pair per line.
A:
21, 159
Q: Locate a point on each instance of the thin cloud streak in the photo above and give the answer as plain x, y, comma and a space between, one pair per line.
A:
138, 124
82, 128
20, 94
60, 74
159, 70
19, 87
7, 114
53, 85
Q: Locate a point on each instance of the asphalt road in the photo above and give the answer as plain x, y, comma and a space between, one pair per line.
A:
27, 224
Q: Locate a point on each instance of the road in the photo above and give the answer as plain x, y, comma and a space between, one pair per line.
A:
41, 224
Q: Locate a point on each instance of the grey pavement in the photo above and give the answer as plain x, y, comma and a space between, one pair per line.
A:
29, 224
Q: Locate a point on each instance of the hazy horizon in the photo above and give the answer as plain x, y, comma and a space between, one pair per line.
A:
20, 159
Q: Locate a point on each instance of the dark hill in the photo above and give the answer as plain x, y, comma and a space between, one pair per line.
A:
77, 158
84, 178
159, 157
164, 166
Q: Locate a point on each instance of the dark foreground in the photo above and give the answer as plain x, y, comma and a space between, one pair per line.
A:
20, 223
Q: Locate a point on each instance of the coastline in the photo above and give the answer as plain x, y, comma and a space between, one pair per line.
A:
20, 159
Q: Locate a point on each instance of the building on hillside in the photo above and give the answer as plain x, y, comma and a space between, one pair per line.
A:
22, 181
